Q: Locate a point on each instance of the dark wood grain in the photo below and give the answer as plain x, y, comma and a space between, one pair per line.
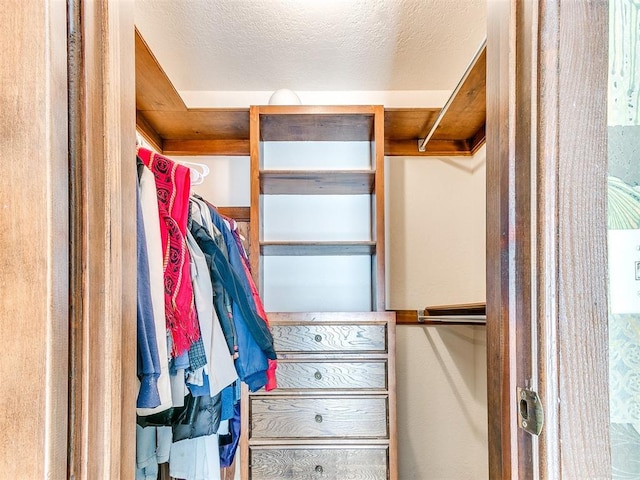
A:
239, 214
201, 124
317, 182
318, 248
224, 147
316, 124
319, 463
500, 337
477, 308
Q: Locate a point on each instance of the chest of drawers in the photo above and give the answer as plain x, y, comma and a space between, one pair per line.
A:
333, 415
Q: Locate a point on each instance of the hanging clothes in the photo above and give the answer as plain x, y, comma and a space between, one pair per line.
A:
147, 352
209, 326
258, 333
173, 186
273, 364
151, 221
220, 369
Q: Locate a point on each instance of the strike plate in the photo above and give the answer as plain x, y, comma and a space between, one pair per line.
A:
530, 413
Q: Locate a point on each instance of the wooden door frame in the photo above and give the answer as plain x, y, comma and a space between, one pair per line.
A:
546, 235
34, 240
102, 176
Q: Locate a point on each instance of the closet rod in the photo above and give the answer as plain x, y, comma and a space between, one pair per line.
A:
422, 142
479, 319
457, 314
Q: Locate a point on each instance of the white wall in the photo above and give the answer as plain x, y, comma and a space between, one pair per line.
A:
436, 255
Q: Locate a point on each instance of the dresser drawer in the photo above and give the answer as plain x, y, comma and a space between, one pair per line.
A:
344, 417
322, 338
319, 464
303, 375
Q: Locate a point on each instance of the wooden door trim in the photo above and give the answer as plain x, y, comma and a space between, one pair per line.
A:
103, 232
572, 313
546, 236
34, 238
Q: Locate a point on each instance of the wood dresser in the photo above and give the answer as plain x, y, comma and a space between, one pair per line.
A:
333, 413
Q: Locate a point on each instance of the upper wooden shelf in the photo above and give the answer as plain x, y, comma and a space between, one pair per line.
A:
173, 129
316, 123
311, 248
316, 182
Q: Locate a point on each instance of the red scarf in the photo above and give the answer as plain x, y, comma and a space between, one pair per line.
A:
173, 186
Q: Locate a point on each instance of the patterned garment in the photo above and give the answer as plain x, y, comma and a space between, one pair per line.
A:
173, 186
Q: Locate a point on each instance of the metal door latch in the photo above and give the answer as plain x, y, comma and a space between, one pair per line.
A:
530, 413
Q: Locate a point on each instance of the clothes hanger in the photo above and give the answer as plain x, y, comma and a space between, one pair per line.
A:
198, 171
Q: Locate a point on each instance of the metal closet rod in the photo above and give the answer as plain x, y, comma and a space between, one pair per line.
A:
480, 319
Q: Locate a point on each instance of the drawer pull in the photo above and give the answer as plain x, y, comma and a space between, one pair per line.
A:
318, 376
319, 468
318, 338
319, 418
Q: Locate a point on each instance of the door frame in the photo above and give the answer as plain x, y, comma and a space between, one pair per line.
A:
546, 235
102, 178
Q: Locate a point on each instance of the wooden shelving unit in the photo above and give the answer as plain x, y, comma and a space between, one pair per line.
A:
319, 124
334, 364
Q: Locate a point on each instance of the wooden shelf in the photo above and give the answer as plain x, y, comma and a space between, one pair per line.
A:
318, 123
458, 314
316, 182
239, 214
173, 129
468, 103
478, 308
317, 248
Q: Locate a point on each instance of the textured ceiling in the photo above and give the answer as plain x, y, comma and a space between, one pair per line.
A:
312, 45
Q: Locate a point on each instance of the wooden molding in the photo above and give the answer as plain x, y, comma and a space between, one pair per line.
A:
154, 90
148, 132
231, 148
104, 251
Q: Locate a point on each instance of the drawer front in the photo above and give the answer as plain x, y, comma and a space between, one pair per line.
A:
332, 375
292, 418
329, 338
319, 464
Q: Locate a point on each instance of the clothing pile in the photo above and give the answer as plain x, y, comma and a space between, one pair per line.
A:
202, 327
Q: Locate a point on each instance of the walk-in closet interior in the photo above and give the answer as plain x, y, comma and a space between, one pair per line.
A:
317, 172
345, 140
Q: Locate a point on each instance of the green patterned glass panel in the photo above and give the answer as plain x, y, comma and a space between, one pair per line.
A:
624, 236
